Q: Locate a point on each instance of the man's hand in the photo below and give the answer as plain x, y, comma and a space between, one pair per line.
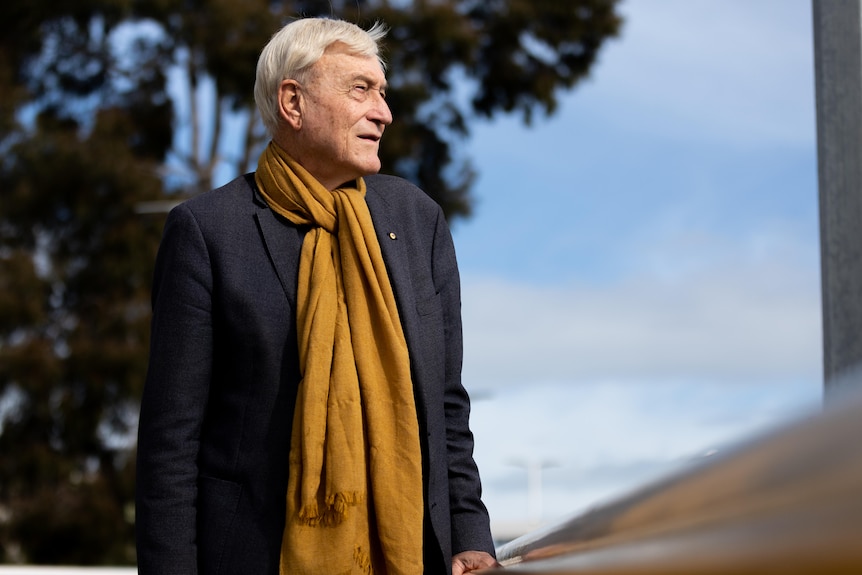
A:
467, 561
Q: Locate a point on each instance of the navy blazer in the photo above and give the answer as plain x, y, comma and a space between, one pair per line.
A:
217, 408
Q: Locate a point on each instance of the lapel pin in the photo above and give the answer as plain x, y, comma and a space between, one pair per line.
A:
392, 235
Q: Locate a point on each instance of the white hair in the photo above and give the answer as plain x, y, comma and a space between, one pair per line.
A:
299, 45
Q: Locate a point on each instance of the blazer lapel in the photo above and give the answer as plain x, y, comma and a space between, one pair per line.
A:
283, 242
397, 263
388, 229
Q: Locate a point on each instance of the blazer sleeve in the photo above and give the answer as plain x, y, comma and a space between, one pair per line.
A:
470, 523
174, 400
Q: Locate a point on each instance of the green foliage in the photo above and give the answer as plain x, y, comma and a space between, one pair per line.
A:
74, 315
75, 268
88, 134
449, 62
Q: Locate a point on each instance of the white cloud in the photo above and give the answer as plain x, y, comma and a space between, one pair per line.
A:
691, 306
600, 440
704, 340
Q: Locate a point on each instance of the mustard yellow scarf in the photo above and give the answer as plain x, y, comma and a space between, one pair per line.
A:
354, 497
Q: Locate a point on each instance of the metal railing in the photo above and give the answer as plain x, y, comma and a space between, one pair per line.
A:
787, 502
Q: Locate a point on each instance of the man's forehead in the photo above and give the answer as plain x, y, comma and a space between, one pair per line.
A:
338, 59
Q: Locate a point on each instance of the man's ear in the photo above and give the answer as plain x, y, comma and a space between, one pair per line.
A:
289, 108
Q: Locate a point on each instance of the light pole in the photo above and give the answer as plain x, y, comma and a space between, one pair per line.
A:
535, 502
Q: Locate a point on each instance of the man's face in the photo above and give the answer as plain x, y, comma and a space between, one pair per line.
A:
343, 117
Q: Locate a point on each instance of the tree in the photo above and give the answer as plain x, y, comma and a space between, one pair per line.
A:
448, 61
75, 268
92, 127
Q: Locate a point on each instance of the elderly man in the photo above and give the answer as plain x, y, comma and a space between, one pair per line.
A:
303, 411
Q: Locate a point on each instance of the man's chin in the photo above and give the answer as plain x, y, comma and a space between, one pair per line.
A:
371, 169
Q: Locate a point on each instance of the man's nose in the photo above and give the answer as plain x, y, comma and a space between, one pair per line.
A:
380, 111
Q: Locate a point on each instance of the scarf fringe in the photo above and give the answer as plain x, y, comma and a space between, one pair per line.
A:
362, 560
334, 512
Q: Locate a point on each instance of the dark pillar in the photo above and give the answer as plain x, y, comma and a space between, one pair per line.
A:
838, 82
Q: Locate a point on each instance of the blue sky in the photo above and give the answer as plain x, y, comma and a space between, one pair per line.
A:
641, 275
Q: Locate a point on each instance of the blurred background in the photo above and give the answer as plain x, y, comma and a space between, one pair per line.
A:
642, 274
632, 187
